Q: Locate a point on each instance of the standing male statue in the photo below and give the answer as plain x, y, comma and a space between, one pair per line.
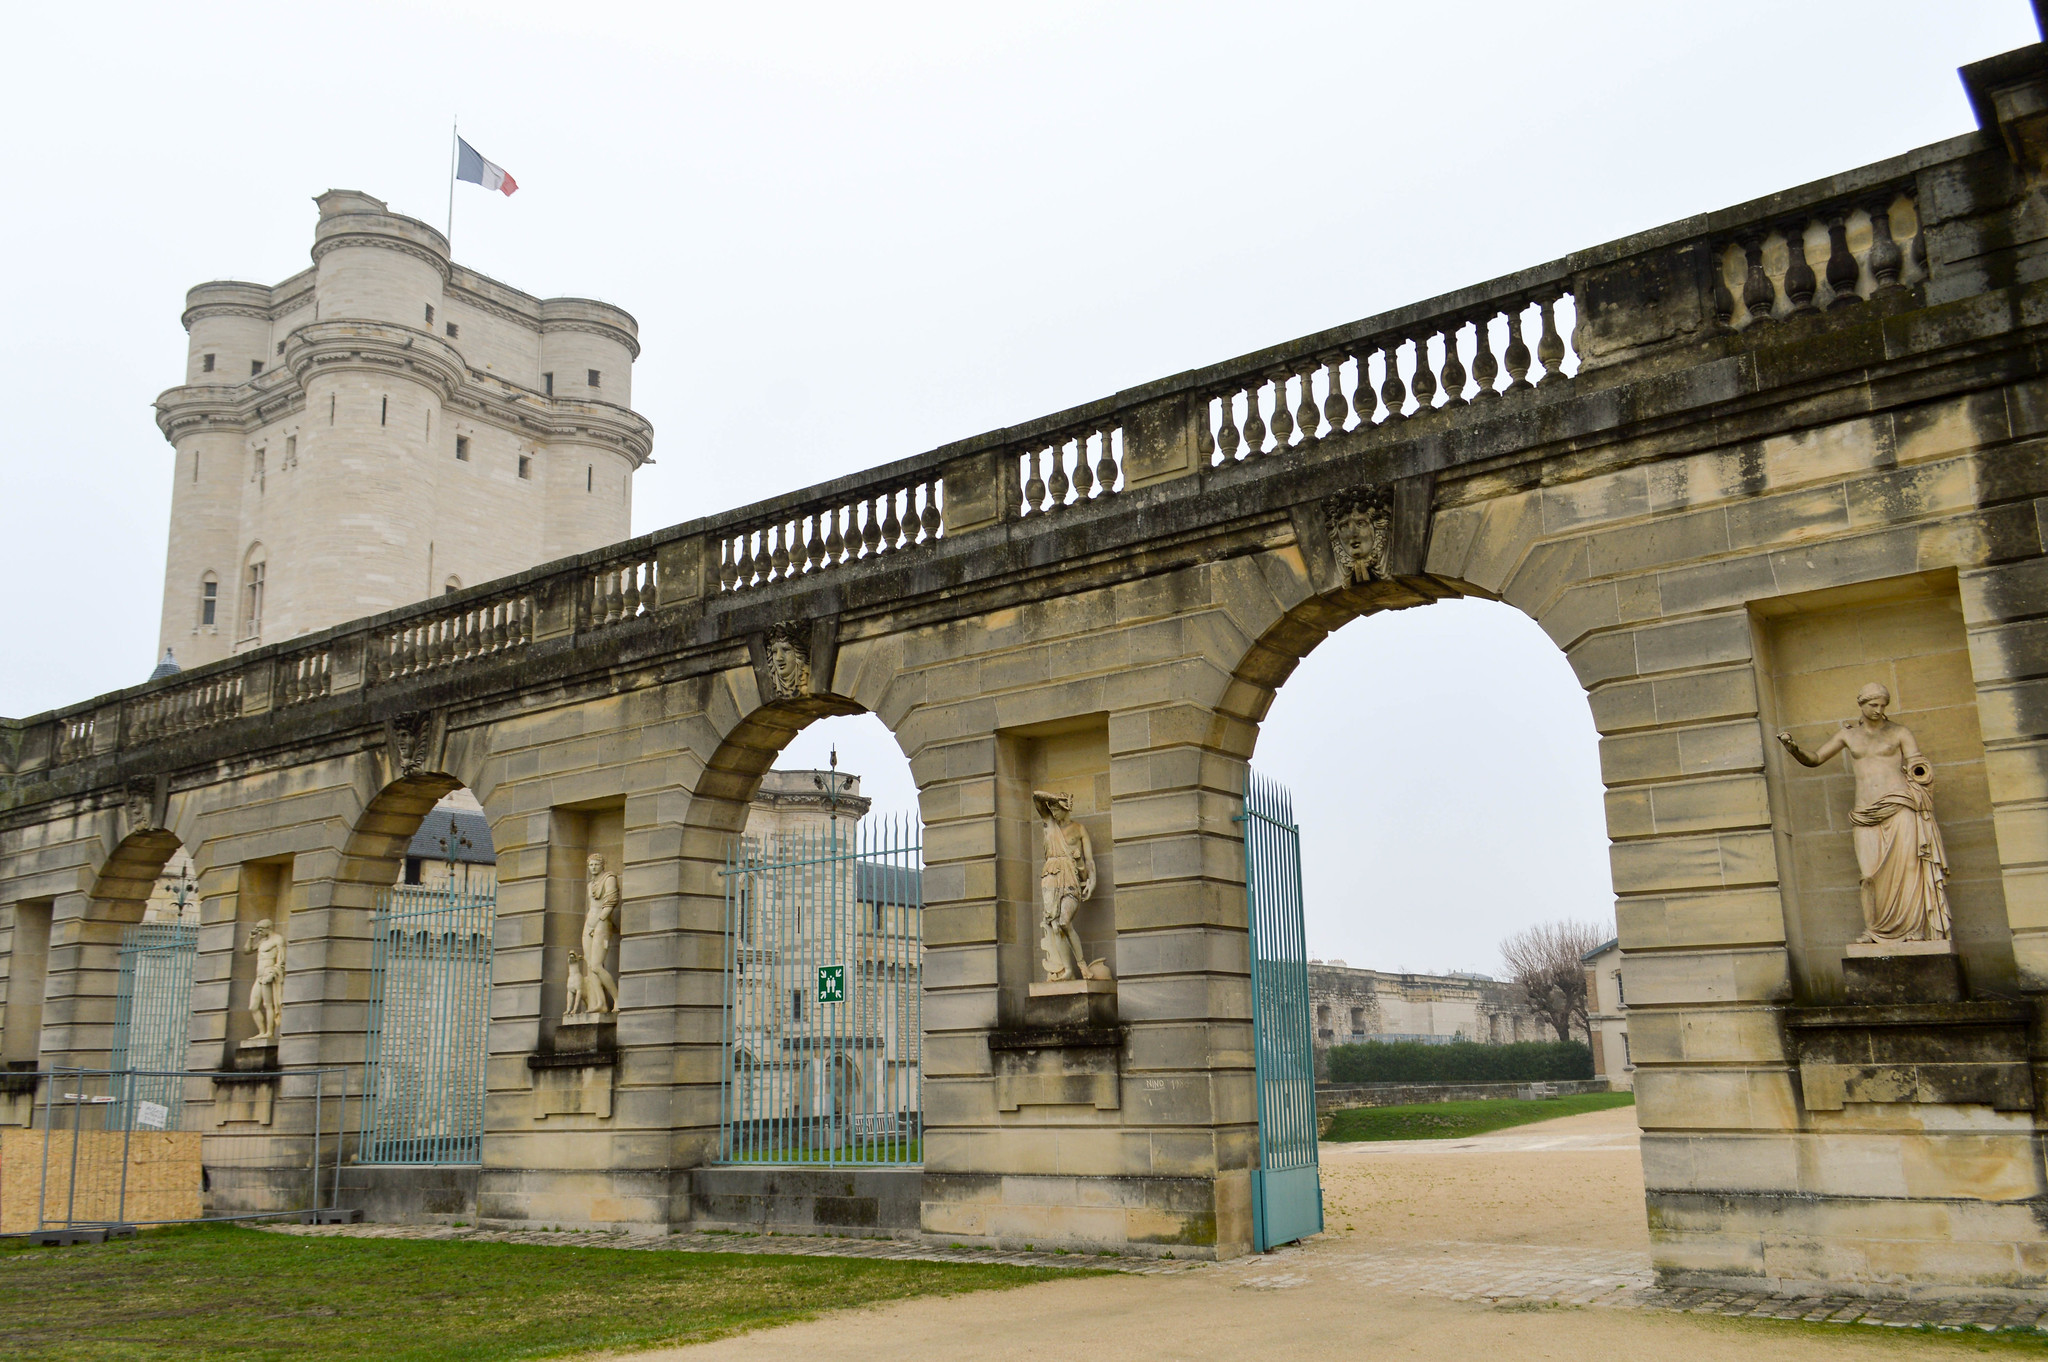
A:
266, 995
1067, 882
1899, 855
600, 991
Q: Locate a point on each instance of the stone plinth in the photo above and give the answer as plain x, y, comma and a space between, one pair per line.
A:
256, 1055
1053, 1003
1891, 973
575, 1077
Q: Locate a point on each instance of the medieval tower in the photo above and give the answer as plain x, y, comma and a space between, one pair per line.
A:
383, 427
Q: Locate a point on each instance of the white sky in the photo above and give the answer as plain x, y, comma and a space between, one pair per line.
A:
851, 233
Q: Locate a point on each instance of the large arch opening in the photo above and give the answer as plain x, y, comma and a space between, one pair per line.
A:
806, 846
1447, 786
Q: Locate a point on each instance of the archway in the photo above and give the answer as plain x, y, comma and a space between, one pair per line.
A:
1449, 792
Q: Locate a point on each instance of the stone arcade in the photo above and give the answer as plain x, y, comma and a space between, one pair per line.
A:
1736, 467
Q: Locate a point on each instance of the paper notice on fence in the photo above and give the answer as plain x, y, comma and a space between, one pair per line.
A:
155, 1115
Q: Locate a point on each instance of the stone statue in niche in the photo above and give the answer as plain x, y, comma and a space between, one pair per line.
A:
266, 994
1066, 882
789, 663
1903, 870
596, 991
1360, 535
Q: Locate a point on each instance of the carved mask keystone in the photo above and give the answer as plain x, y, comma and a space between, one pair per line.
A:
789, 661
1361, 532
410, 735
138, 800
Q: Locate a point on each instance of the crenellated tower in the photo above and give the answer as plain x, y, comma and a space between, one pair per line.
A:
382, 427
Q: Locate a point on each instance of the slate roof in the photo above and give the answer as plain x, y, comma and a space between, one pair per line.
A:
470, 827
875, 882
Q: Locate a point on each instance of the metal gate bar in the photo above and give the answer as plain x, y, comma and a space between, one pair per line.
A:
824, 983
152, 1019
430, 995
1287, 1196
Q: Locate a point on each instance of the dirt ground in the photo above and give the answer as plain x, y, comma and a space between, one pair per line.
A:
1569, 1187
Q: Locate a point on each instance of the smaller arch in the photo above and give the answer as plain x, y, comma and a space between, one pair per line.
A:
452, 585
128, 877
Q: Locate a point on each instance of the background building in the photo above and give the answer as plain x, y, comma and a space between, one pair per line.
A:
1608, 1006
383, 427
1355, 1005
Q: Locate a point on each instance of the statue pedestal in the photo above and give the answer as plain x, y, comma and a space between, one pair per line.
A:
255, 1055
574, 1077
1888, 973
1070, 1002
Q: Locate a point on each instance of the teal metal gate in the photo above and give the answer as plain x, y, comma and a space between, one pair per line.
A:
152, 1018
430, 1002
824, 986
1287, 1191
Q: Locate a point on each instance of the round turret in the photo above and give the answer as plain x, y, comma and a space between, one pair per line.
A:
581, 338
374, 265
227, 325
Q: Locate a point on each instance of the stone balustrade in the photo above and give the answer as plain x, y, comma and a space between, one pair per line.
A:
1720, 279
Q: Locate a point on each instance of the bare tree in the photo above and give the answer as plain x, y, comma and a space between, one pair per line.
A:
1547, 963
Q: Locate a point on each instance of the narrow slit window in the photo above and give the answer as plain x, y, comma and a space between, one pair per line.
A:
589, 477
280, 347
206, 364
332, 398
291, 452
384, 412
255, 367
252, 601
209, 601
594, 377
547, 381
430, 314
462, 448
256, 473
195, 465
525, 465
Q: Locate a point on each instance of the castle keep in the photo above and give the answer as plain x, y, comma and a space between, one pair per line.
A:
1756, 473
384, 427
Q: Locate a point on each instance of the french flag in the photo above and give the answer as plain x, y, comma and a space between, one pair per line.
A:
470, 165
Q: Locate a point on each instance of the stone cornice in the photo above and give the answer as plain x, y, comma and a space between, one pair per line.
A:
349, 240
615, 334
418, 355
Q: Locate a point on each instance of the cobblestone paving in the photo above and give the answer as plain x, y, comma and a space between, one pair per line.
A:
899, 1250
1499, 1275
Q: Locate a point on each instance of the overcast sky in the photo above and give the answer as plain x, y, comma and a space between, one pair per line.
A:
854, 232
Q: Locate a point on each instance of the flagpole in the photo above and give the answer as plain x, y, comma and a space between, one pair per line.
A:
454, 145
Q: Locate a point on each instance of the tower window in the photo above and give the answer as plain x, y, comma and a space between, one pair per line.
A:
332, 398
280, 347
206, 364
525, 466
209, 600
430, 314
462, 448
453, 331
291, 453
256, 473
547, 381
195, 465
594, 376
384, 412
589, 474
252, 601
255, 367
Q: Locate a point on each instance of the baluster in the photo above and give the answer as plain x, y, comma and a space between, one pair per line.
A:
1550, 345
1841, 268
525, 620
1800, 283
1254, 420
1757, 293
933, 519
778, 554
1084, 476
1227, 438
1887, 261
1724, 299
1916, 250
871, 531
1485, 368
614, 597
725, 564
1057, 483
1308, 416
1425, 377
1283, 419
506, 621
835, 542
1106, 471
1205, 435
1034, 489
1392, 392
1454, 368
1517, 353
892, 527
631, 607
1335, 409
814, 542
1365, 399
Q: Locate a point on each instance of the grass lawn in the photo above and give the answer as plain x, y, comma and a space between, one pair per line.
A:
1453, 1120
220, 1292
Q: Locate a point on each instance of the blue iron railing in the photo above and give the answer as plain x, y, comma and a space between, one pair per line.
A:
430, 1002
824, 983
1287, 1197
152, 1020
